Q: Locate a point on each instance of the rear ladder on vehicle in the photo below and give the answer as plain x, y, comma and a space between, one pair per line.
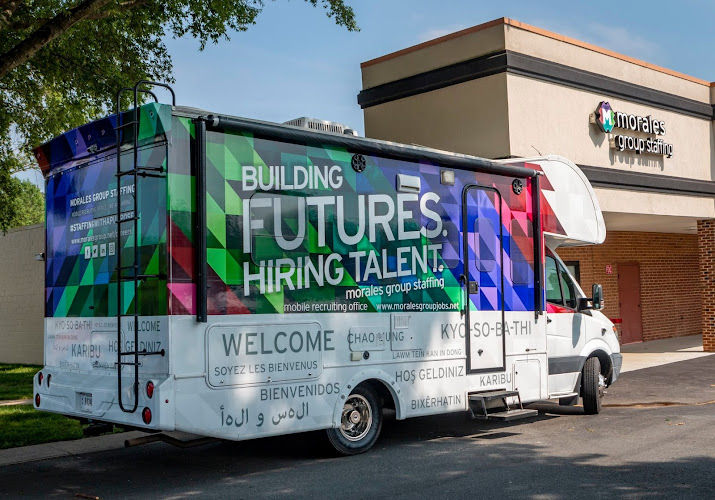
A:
132, 216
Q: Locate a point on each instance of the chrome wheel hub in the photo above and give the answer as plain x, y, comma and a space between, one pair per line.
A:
356, 419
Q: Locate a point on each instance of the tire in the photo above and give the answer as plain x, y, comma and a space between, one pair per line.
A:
361, 422
591, 390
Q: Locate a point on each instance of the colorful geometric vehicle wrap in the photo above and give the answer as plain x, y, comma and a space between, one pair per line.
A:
292, 227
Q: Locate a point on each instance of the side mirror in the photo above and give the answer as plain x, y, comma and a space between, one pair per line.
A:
597, 294
595, 302
584, 304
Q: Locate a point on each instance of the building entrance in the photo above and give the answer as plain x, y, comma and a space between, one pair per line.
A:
629, 296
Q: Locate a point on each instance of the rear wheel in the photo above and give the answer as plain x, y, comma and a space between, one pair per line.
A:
360, 422
592, 387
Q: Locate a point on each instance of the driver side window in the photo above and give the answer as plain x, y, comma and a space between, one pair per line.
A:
553, 287
568, 289
560, 289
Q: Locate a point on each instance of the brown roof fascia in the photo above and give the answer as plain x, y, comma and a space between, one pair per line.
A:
542, 32
429, 43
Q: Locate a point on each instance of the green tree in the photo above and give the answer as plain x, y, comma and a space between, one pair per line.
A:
27, 204
62, 61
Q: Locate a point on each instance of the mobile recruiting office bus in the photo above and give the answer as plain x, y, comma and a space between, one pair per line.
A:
238, 279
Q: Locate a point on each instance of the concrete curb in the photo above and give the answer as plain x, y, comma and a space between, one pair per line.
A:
45, 451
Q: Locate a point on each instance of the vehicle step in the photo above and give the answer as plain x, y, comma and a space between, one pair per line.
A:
492, 395
506, 416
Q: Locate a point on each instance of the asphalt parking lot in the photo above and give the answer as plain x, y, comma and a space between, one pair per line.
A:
643, 449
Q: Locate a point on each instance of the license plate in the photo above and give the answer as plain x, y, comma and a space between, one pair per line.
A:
85, 401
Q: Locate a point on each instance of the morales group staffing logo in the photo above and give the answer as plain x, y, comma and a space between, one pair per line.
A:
605, 117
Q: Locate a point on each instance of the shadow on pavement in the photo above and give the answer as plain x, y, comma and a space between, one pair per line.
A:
550, 457
548, 407
691, 381
561, 454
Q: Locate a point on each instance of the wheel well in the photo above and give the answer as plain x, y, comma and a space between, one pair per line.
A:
605, 361
382, 392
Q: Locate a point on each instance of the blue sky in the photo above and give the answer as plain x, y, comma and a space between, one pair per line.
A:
297, 62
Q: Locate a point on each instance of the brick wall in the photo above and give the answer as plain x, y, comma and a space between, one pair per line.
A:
706, 241
670, 278
22, 290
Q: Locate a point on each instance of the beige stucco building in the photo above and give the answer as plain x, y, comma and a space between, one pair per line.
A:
506, 89
22, 295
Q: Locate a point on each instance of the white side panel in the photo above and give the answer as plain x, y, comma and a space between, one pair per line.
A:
420, 359
527, 379
486, 343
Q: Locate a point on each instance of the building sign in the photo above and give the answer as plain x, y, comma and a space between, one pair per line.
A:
607, 119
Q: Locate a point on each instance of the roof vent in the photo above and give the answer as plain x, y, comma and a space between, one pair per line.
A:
321, 125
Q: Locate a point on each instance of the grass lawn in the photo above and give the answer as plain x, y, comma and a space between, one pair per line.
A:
22, 425
16, 381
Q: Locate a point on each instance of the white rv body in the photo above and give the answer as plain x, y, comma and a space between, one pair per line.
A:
242, 376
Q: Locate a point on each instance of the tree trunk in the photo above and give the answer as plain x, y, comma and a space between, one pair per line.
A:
23, 51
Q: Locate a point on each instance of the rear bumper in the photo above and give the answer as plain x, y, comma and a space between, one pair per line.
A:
94, 397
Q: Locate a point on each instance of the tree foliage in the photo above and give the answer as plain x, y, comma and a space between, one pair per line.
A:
62, 61
27, 204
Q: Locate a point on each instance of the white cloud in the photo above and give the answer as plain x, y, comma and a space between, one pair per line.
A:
616, 38
622, 40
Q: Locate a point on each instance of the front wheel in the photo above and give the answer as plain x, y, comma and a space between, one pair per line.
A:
360, 422
592, 387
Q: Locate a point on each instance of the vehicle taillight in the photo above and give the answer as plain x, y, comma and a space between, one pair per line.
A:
49, 378
37, 400
146, 414
149, 389
40, 376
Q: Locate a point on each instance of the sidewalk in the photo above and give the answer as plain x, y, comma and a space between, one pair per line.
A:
65, 448
661, 352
